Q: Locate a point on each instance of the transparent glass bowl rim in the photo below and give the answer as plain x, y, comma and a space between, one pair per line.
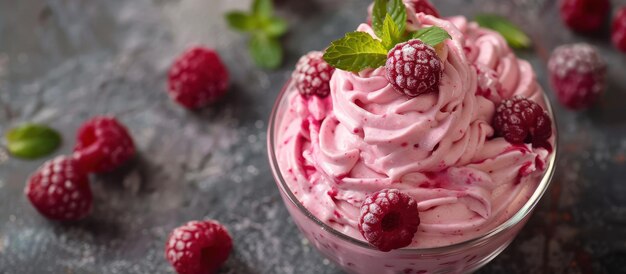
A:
524, 211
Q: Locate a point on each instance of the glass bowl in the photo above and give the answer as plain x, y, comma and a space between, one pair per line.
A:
357, 256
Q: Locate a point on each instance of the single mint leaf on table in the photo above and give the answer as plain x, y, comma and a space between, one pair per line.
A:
391, 35
266, 51
393, 8
31, 141
513, 35
432, 35
356, 51
241, 21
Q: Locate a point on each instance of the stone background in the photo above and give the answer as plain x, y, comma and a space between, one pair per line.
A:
62, 61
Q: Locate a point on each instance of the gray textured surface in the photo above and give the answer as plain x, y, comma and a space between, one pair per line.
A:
62, 61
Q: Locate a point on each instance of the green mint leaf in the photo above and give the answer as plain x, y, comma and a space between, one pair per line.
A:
397, 11
241, 21
391, 35
30, 141
262, 8
511, 33
275, 27
432, 35
266, 51
356, 51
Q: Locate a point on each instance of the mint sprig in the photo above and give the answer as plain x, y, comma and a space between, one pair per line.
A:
513, 35
431, 36
355, 52
265, 30
359, 50
31, 141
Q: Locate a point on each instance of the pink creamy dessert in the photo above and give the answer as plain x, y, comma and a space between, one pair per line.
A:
439, 148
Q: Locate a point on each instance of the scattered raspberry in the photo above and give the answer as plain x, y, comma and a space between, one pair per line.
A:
423, 6
520, 120
618, 34
413, 68
103, 144
389, 219
578, 75
197, 77
198, 247
312, 75
59, 190
584, 15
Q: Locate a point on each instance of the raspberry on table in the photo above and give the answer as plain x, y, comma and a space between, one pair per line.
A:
59, 190
423, 6
103, 144
198, 247
520, 120
618, 32
584, 15
389, 219
578, 75
413, 68
312, 75
197, 78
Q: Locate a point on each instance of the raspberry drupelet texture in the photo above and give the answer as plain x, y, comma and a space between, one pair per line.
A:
520, 120
59, 190
578, 75
413, 68
197, 78
423, 6
618, 32
584, 15
103, 144
198, 247
389, 219
312, 75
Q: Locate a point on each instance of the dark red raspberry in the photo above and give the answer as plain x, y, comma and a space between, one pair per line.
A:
103, 144
618, 34
389, 219
520, 120
59, 190
584, 15
577, 74
197, 78
312, 75
423, 6
413, 68
198, 247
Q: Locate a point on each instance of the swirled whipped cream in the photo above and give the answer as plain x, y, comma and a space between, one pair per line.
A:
439, 148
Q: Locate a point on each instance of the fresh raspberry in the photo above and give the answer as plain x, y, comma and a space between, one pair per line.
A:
618, 34
423, 6
198, 247
413, 68
389, 219
312, 75
584, 15
197, 77
578, 75
520, 120
59, 190
103, 144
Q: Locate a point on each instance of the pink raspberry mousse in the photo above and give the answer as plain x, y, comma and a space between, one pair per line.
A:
439, 148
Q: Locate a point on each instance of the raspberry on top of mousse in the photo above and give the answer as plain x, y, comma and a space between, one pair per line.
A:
312, 75
389, 219
413, 68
